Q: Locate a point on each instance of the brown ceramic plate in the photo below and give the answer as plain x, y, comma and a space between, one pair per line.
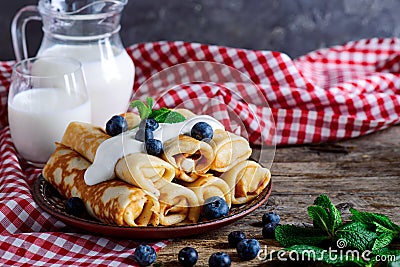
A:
50, 201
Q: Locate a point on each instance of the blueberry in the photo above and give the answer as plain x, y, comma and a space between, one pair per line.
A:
214, 208
145, 255
268, 230
271, 217
235, 237
75, 206
248, 249
116, 125
188, 257
154, 147
219, 259
144, 134
151, 124
202, 131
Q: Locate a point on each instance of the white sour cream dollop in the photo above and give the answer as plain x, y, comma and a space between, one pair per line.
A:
114, 148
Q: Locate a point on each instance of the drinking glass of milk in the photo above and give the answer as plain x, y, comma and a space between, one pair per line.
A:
46, 94
89, 32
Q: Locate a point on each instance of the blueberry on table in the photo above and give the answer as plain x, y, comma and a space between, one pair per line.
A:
219, 259
144, 134
154, 147
248, 249
268, 230
75, 206
271, 217
116, 125
214, 208
235, 237
202, 131
145, 255
188, 256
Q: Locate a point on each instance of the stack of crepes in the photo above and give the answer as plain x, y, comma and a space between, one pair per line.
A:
149, 190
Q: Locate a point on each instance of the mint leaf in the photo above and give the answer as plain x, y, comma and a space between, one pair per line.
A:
165, 115
144, 111
313, 253
149, 102
335, 218
387, 254
289, 235
383, 240
357, 236
174, 117
382, 223
320, 217
160, 114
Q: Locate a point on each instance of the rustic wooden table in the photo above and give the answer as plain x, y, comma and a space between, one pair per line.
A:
362, 172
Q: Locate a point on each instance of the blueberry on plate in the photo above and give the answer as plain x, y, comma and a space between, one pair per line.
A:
75, 206
202, 131
271, 217
248, 249
145, 255
116, 125
219, 259
154, 147
188, 256
144, 134
213, 208
235, 237
268, 230
151, 124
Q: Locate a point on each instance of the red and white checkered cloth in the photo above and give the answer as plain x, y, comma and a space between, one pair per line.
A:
330, 94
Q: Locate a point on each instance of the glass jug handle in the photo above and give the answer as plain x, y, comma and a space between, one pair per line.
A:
18, 26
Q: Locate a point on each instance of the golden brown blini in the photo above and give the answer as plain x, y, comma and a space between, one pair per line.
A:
84, 138
206, 187
229, 149
188, 155
178, 205
185, 112
144, 171
132, 119
113, 202
246, 180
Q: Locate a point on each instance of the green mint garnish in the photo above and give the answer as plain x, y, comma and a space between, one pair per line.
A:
162, 115
289, 235
144, 109
365, 232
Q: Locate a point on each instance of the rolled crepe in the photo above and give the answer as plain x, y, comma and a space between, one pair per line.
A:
246, 181
206, 187
84, 138
178, 205
144, 171
229, 149
132, 119
185, 112
188, 155
113, 202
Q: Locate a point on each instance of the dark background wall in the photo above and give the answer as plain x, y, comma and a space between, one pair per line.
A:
291, 26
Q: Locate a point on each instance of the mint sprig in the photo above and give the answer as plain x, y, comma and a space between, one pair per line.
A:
365, 231
162, 115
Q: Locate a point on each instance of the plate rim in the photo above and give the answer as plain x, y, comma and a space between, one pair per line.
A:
142, 232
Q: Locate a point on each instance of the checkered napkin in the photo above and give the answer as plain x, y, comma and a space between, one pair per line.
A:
330, 94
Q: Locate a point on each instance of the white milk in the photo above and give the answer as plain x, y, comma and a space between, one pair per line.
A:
39, 117
109, 77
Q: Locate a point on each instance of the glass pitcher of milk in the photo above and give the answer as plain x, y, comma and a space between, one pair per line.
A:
87, 30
